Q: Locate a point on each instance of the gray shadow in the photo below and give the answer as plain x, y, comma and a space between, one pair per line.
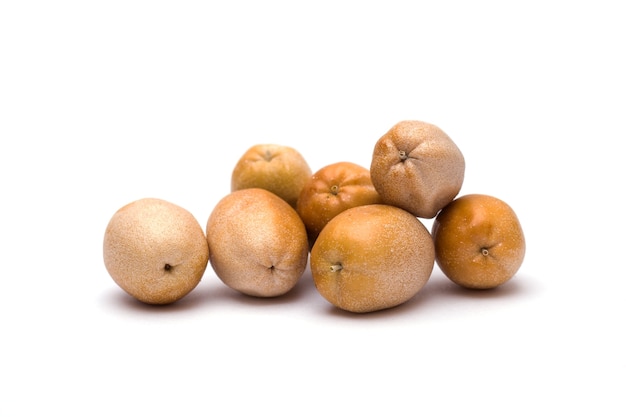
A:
437, 291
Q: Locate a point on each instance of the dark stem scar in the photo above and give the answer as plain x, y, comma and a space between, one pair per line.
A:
268, 155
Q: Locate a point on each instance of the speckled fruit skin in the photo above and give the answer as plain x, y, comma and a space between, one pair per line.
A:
332, 190
372, 257
479, 242
155, 250
277, 168
258, 243
417, 167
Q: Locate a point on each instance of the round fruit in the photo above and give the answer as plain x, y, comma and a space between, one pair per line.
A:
332, 190
417, 167
276, 168
372, 257
257, 242
479, 242
154, 250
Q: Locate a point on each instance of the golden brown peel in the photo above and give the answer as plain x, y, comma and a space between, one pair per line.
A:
372, 257
479, 242
331, 190
276, 168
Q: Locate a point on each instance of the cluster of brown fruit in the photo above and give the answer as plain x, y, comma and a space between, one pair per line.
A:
359, 228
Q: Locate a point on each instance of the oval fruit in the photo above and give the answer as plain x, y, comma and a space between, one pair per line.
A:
417, 167
276, 168
479, 242
332, 190
371, 258
155, 250
257, 242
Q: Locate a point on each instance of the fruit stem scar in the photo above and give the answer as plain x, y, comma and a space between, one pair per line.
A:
403, 156
334, 190
167, 267
484, 251
336, 268
268, 155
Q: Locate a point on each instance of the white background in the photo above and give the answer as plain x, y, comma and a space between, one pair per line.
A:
102, 103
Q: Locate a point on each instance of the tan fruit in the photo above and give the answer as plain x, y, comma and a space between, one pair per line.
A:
479, 241
257, 242
154, 250
371, 258
417, 167
332, 190
276, 168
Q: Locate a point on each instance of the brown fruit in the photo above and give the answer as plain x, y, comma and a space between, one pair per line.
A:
154, 250
417, 167
276, 168
332, 190
372, 257
479, 242
257, 242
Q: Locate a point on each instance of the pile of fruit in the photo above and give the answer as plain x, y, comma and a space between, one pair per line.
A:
358, 228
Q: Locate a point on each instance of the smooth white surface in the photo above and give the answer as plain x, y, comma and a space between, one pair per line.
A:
103, 103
